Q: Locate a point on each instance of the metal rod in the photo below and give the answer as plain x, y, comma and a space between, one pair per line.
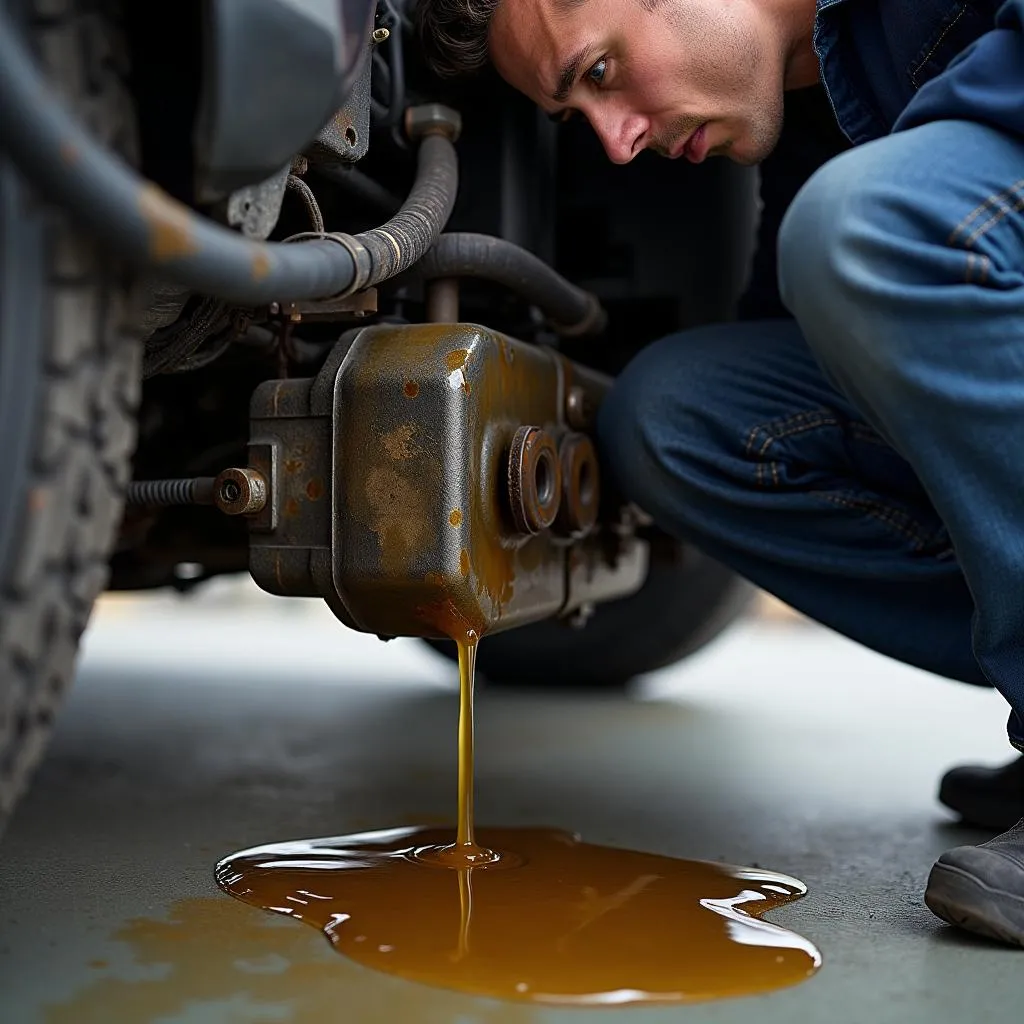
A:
196, 490
443, 301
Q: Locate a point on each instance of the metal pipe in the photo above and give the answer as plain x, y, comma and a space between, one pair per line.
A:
443, 301
571, 310
144, 225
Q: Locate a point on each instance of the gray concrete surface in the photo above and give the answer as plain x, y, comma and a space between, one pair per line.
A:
198, 728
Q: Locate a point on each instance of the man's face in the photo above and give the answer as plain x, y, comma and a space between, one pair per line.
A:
682, 77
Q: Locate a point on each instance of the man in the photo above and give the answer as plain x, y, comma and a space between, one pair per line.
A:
862, 458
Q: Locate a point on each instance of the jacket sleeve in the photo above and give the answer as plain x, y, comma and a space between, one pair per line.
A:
985, 83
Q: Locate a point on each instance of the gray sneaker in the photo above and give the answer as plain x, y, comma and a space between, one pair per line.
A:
981, 888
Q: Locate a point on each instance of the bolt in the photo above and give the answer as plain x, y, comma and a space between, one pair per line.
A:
380, 35
240, 492
230, 491
579, 410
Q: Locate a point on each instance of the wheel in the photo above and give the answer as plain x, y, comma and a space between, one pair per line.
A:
69, 385
687, 600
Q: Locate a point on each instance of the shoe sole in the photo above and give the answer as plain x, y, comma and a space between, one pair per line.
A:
966, 902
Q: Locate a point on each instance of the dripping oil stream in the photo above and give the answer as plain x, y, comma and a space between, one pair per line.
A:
467, 682
530, 914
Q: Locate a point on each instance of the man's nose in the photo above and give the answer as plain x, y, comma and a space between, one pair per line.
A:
620, 132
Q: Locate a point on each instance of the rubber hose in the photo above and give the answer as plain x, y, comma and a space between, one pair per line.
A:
571, 310
142, 224
395, 246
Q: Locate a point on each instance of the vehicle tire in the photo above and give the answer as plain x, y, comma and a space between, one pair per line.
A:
69, 386
687, 600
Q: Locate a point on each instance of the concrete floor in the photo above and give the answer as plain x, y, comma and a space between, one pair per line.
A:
198, 728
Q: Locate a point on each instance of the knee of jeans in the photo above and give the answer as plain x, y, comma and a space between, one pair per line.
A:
653, 440
827, 266
815, 238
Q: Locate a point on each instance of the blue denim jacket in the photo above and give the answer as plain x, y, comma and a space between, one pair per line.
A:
890, 64
887, 65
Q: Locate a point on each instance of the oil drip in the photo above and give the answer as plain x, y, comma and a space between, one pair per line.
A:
530, 914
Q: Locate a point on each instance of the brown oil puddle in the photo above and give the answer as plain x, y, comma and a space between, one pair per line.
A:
530, 914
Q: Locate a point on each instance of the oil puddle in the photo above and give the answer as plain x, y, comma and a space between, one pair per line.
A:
214, 960
530, 915
553, 920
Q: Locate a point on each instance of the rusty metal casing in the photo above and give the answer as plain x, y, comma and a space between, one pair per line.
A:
391, 485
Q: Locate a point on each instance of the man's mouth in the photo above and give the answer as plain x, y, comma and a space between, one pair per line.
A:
695, 148
690, 145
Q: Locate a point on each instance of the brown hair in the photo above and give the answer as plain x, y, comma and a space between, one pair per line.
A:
454, 34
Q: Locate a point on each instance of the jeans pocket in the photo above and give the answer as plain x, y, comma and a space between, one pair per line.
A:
845, 485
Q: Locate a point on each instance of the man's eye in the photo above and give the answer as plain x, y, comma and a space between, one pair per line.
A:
597, 72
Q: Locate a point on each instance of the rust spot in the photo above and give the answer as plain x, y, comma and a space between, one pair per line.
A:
456, 359
260, 264
455, 518
291, 507
464, 562
399, 516
411, 389
398, 443
315, 489
293, 465
169, 223
466, 385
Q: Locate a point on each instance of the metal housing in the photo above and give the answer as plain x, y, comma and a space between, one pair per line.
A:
390, 483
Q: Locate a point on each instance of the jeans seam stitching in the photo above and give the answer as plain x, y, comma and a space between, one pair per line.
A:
976, 213
1004, 211
938, 42
773, 465
895, 518
802, 428
797, 424
790, 426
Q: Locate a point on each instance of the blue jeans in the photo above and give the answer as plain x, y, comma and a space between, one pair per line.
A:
865, 460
